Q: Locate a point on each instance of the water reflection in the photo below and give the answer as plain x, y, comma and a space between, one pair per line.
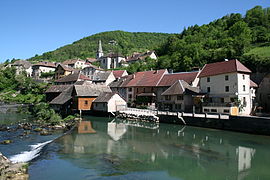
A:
181, 152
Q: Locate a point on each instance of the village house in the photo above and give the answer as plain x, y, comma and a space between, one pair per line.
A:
168, 80
119, 86
141, 56
103, 77
179, 97
62, 103
90, 70
22, 66
109, 102
42, 67
119, 73
227, 85
84, 95
72, 79
63, 70
75, 63
141, 89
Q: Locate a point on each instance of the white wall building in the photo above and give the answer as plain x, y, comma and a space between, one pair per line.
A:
42, 67
226, 83
109, 102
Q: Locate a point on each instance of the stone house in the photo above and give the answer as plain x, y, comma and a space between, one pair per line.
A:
103, 77
227, 85
179, 97
90, 70
42, 67
63, 70
191, 78
119, 86
109, 102
22, 66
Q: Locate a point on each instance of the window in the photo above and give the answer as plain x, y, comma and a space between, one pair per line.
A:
129, 96
144, 90
227, 89
226, 78
130, 89
206, 110
179, 97
244, 102
167, 98
222, 100
137, 90
226, 111
86, 102
243, 76
208, 89
208, 79
213, 110
244, 88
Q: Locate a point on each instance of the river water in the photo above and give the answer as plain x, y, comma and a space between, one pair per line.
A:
103, 148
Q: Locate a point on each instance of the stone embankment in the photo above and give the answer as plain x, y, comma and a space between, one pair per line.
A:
133, 115
16, 171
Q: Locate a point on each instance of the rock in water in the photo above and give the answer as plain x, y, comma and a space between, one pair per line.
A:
9, 171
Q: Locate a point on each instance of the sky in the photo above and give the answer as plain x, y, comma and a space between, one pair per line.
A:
30, 27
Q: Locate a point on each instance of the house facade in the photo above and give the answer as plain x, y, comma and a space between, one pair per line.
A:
111, 61
72, 79
109, 102
75, 63
42, 67
263, 94
62, 70
227, 85
103, 77
90, 70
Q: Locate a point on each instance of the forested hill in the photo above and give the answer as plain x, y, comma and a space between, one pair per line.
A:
245, 37
117, 41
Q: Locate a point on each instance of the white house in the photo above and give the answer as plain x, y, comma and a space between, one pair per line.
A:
141, 56
75, 63
111, 61
227, 85
42, 67
109, 102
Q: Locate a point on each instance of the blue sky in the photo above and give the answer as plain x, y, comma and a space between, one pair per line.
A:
29, 27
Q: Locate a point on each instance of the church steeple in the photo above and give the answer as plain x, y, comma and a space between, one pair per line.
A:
99, 51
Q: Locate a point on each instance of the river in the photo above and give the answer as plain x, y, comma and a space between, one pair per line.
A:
103, 148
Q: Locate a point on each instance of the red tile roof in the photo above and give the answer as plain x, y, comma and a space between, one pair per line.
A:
119, 73
170, 79
253, 84
223, 67
146, 78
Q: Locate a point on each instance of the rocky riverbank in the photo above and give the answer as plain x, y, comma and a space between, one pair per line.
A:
14, 171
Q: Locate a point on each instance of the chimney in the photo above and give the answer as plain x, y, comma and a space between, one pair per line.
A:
133, 76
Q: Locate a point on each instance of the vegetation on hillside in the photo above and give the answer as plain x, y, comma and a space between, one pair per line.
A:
19, 88
232, 36
116, 41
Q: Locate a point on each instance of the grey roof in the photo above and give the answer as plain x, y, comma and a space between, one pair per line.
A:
57, 88
120, 82
72, 78
91, 90
25, 64
180, 87
64, 97
104, 97
101, 76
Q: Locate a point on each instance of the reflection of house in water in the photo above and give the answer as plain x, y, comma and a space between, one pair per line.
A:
85, 127
245, 156
116, 131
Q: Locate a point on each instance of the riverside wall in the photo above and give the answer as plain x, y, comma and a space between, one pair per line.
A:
245, 124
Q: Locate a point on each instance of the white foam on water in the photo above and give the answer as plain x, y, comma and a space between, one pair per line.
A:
26, 156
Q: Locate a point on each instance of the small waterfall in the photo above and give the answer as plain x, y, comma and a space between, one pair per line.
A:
29, 155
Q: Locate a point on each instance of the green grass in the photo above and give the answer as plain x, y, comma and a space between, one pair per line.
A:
260, 51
